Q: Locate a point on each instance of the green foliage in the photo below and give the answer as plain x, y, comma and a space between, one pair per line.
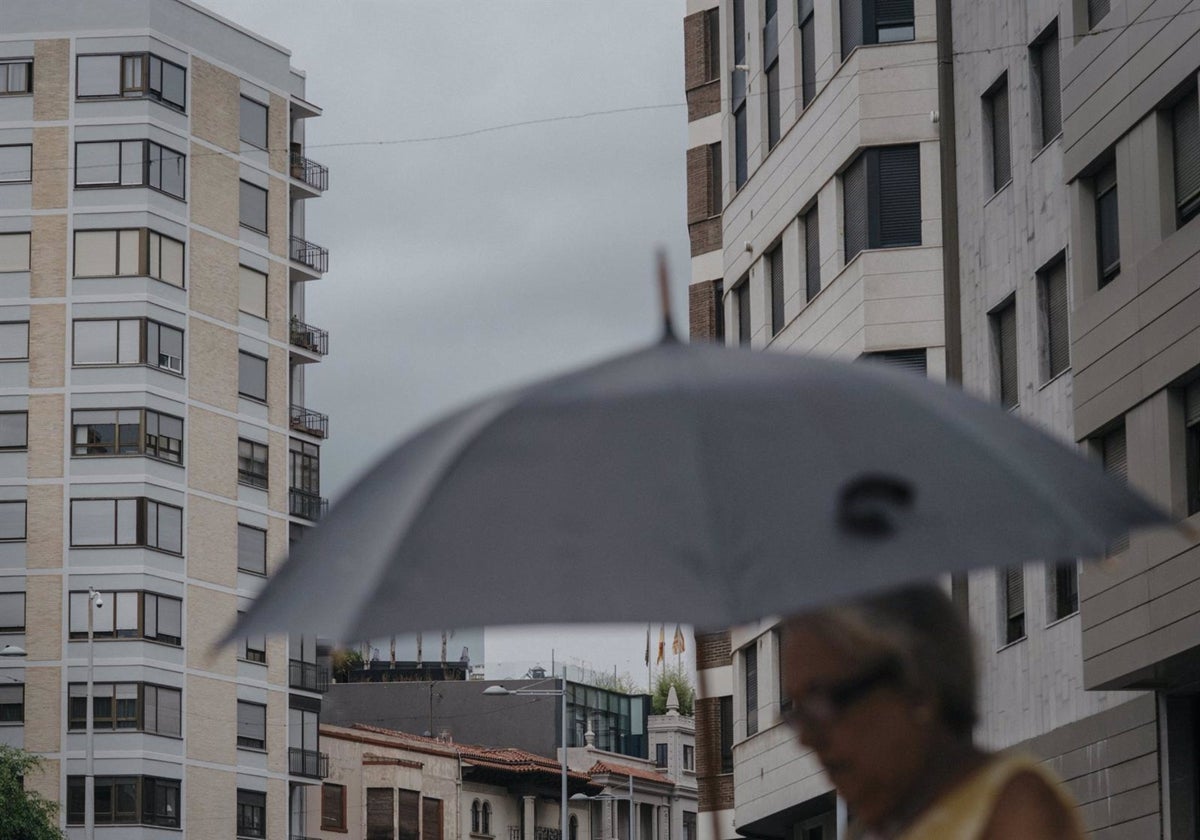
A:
678, 677
24, 815
343, 661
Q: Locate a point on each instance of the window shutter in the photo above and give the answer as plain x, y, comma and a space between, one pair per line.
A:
740, 140
899, 196
750, 656
380, 809
912, 361
1050, 91
852, 26
409, 805
1001, 150
775, 261
854, 206
1108, 243
812, 253
1014, 580
1004, 323
712, 19
774, 127
1112, 447
742, 297
808, 55
715, 185
891, 12
1192, 404
431, 819
1185, 120
1058, 338
1097, 9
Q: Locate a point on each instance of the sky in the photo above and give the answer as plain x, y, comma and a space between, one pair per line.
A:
463, 265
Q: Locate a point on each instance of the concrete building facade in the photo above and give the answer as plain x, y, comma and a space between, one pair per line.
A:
159, 452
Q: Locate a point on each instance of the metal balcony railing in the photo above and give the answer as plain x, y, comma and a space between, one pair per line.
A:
310, 254
310, 338
310, 172
307, 505
307, 676
310, 763
514, 832
542, 832
310, 422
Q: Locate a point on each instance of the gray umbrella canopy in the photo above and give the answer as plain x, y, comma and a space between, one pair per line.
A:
689, 483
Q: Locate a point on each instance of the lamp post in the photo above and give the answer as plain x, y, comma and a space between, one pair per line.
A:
499, 690
89, 779
611, 797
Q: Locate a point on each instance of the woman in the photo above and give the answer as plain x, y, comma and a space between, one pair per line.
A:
883, 691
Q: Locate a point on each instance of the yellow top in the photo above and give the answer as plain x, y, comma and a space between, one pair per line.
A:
963, 812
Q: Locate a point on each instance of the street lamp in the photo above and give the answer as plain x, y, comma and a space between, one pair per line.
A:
611, 797
499, 690
95, 601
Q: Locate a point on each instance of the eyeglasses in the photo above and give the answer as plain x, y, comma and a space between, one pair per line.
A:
822, 705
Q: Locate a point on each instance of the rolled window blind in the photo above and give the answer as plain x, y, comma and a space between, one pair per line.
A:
854, 206
1185, 123
899, 191
812, 253
1058, 338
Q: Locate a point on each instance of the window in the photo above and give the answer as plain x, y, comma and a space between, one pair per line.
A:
812, 253
253, 296
738, 84
775, 269
12, 521
130, 163
134, 706
1097, 9
129, 615
881, 192
14, 251
1004, 352
127, 431
252, 206
573, 828
126, 522
1047, 93
808, 52
1012, 583
381, 814
333, 808
689, 825
252, 549
408, 811
475, 817
725, 707
252, 123
712, 45
1108, 244
1110, 446
486, 826
661, 752
1191, 408
14, 340
715, 186
689, 757
770, 36
913, 360
16, 164
741, 298
12, 703
13, 430
16, 77
1063, 587
128, 341
305, 466
876, 22
995, 127
251, 813
128, 253
252, 648
431, 817
252, 463
252, 376
251, 725
12, 612
125, 800
1054, 312
131, 76
750, 674
1185, 134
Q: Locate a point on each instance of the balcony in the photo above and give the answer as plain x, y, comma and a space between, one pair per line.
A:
309, 422
310, 338
310, 172
308, 763
307, 505
307, 676
310, 254
540, 832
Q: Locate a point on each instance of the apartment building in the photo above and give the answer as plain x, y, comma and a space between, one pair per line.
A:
1002, 195
158, 451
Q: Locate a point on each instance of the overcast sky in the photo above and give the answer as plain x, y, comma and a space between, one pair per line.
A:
464, 265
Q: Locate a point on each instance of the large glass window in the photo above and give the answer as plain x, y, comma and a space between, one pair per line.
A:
16, 77
138, 706
128, 253
130, 163
125, 800
14, 252
252, 125
128, 615
16, 164
881, 193
251, 813
305, 466
127, 341
126, 522
252, 549
127, 431
131, 75
252, 206
252, 376
876, 22
253, 463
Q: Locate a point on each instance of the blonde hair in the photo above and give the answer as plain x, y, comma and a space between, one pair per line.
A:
919, 628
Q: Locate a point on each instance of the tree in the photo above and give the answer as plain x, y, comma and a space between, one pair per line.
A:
623, 684
24, 815
343, 661
678, 677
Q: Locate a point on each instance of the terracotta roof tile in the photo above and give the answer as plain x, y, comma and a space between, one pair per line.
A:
603, 767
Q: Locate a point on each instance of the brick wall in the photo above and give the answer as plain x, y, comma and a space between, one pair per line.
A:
703, 323
714, 789
703, 92
705, 236
704, 100
713, 650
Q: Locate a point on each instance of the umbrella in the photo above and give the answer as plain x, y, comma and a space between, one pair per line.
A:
691, 483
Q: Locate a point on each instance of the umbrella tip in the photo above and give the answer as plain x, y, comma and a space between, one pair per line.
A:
664, 294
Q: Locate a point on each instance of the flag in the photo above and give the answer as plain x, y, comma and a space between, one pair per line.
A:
677, 645
647, 645
662, 642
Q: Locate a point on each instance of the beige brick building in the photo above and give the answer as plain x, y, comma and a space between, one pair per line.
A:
156, 448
